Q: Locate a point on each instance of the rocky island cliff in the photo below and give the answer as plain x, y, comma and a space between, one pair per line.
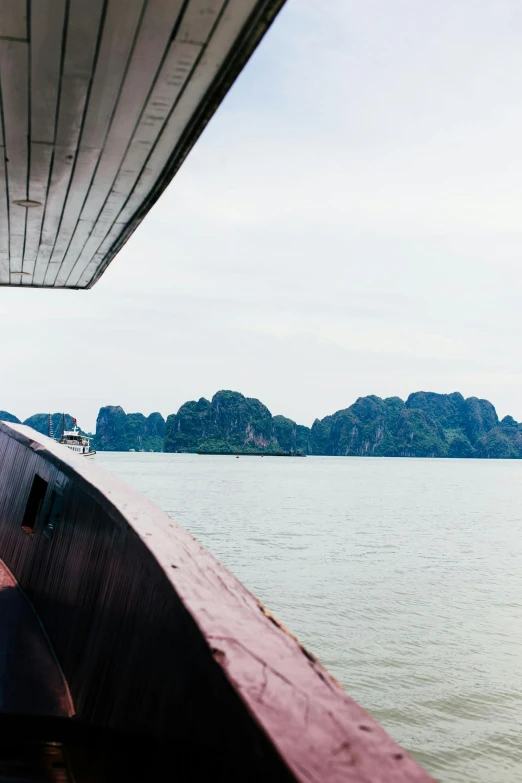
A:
230, 423
120, 431
427, 424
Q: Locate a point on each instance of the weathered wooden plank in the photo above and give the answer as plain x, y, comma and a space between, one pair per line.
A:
95, 267
82, 36
60, 177
14, 64
47, 21
91, 269
196, 25
5, 276
198, 21
14, 80
16, 244
81, 39
119, 30
4, 268
4, 222
81, 237
84, 166
41, 157
76, 265
176, 70
224, 35
13, 19
155, 31
47, 27
84, 271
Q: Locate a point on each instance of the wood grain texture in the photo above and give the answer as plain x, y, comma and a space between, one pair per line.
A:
83, 30
155, 636
47, 22
14, 67
119, 30
225, 33
41, 159
155, 31
4, 222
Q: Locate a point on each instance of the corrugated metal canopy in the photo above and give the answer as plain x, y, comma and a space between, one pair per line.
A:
101, 102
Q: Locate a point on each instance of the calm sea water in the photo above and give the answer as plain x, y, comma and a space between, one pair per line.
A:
403, 576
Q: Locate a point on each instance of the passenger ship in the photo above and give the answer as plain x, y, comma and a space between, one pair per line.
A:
77, 442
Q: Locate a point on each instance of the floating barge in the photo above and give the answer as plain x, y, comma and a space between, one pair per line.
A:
127, 652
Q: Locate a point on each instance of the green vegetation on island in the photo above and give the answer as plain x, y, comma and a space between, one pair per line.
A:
120, 431
231, 423
5, 416
425, 425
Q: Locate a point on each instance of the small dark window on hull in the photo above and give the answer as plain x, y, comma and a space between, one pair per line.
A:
34, 504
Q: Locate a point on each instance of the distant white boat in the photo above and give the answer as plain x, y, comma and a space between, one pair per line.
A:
76, 441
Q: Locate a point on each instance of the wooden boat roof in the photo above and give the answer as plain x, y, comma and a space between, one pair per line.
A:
101, 100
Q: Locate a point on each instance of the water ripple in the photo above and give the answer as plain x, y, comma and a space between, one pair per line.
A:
403, 576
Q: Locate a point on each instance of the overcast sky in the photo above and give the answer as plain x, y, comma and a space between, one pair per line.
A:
350, 223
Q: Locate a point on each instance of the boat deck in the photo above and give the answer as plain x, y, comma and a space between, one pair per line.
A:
171, 663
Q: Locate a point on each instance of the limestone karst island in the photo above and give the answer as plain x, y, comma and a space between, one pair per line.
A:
425, 425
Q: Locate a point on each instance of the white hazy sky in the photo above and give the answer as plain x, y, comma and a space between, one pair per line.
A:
350, 223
